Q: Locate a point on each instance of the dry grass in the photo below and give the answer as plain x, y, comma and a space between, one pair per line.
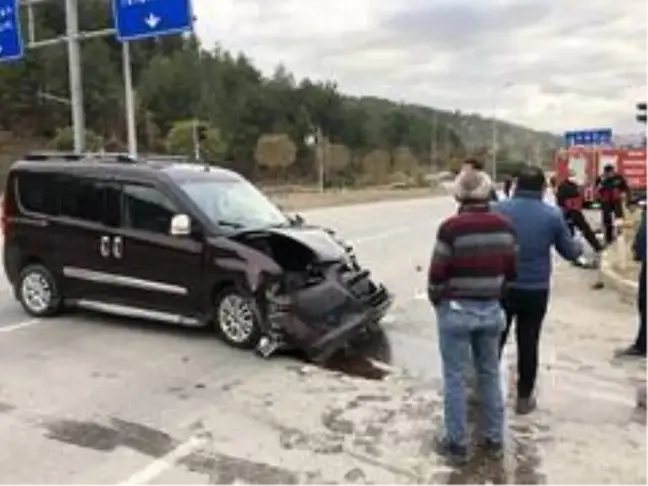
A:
305, 199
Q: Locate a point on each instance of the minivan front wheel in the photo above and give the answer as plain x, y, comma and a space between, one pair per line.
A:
38, 291
236, 319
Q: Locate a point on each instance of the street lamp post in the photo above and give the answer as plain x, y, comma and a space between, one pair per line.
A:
494, 127
314, 141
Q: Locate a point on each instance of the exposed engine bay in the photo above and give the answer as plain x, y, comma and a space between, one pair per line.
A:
323, 299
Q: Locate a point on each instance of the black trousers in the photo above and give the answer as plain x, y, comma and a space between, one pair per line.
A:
527, 308
640, 341
609, 212
576, 220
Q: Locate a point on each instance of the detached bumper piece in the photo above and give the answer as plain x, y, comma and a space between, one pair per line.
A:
324, 317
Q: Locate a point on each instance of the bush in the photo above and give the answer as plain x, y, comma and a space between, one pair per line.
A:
64, 140
180, 141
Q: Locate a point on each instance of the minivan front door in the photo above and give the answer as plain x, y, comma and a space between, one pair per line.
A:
156, 271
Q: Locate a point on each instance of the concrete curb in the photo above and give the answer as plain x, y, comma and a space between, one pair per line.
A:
627, 289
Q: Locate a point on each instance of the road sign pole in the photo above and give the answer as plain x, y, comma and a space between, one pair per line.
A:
494, 148
129, 98
195, 139
76, 84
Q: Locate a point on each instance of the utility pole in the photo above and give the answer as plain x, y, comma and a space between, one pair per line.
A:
319, 140
433, 146
129, 98
446, 143
74, 65
494, 127
494, 149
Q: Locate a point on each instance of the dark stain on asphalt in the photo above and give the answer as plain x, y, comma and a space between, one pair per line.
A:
223, 469
359, 360
107, 438
332, 420
355, 475
6, 407
325, 444
179, 392
356, 366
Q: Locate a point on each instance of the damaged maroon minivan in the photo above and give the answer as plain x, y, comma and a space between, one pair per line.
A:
182, 243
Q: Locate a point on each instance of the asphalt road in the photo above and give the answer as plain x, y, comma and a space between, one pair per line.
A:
90, 399
85, 398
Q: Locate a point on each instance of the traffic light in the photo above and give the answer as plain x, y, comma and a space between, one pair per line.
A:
202, 132
641, 115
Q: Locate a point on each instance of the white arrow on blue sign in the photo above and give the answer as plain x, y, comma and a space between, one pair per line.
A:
140, 19
11, 42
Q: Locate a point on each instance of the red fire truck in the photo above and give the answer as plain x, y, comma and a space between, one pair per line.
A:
587, 164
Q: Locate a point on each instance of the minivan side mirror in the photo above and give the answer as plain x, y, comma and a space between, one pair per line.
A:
180, 225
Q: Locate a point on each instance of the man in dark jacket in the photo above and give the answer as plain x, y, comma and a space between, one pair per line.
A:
569, 198
638, 348
611, 188
508, 185
539, 227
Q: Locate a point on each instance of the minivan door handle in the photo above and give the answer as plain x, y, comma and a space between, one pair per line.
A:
104, 246
117, 247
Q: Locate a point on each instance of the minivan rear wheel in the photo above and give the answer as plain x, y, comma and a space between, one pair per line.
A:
236, 318
38, 291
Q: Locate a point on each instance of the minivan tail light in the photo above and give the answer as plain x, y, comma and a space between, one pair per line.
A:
4, 217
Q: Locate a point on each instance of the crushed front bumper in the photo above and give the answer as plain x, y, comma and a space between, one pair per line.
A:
323, 318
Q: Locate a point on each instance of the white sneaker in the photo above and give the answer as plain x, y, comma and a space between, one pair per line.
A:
582, 261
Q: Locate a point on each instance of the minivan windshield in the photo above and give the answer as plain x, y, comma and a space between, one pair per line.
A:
234, 203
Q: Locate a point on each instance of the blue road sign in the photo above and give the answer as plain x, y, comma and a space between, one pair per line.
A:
139, 19
600, 136
11, 42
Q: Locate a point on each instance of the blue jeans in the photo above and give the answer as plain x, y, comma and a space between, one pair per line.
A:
465, 326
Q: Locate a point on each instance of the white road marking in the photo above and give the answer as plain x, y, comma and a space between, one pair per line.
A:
385, 234
157, 467
20, 325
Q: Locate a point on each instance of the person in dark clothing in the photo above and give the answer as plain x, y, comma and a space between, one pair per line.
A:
539, 226
611, 187
508, 186
477, 165
638, 348
569, 198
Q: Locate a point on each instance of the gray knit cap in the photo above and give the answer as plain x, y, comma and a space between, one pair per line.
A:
473, 185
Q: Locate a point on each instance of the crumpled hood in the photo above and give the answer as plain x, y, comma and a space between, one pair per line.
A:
318, 240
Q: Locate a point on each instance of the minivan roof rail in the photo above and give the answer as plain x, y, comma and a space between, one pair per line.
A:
86, 156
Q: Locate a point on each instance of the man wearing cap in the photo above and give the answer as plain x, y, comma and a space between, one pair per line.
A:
611, 188
473, 164
569, 198
473, 260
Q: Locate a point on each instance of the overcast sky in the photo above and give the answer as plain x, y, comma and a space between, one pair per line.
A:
567, 63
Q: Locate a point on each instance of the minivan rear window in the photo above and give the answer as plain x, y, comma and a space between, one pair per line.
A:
73, 197
37, 193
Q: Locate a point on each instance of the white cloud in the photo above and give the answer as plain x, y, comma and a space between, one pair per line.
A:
573, 63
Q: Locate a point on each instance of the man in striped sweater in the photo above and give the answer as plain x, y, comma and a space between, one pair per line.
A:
473, 260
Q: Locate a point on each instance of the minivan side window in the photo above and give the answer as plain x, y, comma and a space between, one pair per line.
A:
147, 209
82, 198
37, 193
